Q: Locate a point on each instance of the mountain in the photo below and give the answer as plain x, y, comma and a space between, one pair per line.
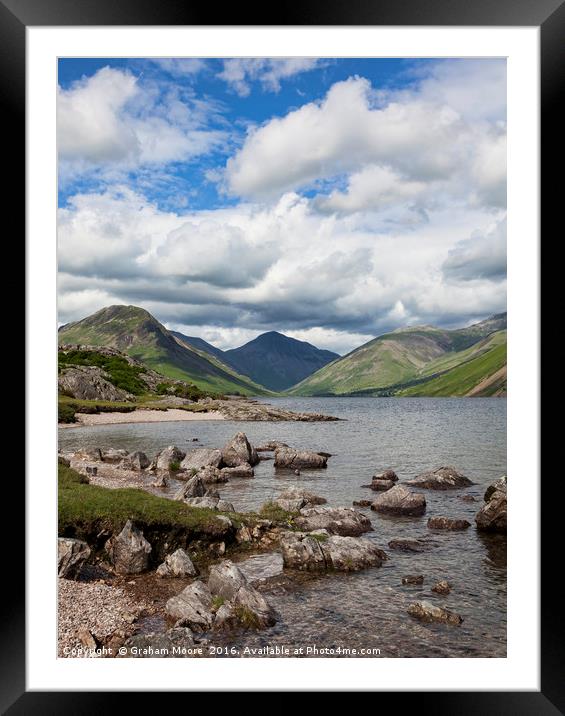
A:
136, 332
201, 345
422, 360
276, 361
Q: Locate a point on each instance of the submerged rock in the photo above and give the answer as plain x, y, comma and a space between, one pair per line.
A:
444, 478
410, 545
493, 514
295, 459
361, 503
271, 446
442, 587
71, 555
239, 451
343, 521
177, 564
428, 612
129, 551
400, 501
319, 551
447, 523
413, 579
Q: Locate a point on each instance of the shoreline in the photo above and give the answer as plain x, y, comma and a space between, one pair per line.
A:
140, 416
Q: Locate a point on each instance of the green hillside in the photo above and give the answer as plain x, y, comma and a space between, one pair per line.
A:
136, 332
412, 360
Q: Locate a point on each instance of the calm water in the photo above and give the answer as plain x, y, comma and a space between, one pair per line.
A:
368, 609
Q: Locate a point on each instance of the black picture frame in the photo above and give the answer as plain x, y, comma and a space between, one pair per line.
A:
549, 16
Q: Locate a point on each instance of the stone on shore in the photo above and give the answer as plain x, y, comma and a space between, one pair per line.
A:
177, 564
444, 478
447, 523
192, 607
319, 551
428, 612
210, 503
71, 555
239, 451
295, 459
129, 551
492, 515
344, 521
169, 456
192, 488
136, 461
248, 605
201, 457
114, 455
294, 499
400, 501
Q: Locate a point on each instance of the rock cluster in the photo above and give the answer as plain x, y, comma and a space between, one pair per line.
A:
227, 601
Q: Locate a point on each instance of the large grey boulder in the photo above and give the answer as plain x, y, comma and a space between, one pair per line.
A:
129, 551
170, 455
320, 551
177, 564
239, 451
225, 579
492, 516
192, 607
428, 612
201, 457
192, 488
71, 554
400, 501
291, 459
444, 478
343, 521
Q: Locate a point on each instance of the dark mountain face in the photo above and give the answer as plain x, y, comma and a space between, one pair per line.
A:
201, 345
276, 361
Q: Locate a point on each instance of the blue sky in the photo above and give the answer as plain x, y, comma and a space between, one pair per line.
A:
358, 195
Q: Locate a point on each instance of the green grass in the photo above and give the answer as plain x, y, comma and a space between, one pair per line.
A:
463, 378
271, 511
89, 508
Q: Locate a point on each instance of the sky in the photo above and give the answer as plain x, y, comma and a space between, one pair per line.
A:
332, 200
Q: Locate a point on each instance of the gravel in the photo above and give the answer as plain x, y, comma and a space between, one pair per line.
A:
97, 608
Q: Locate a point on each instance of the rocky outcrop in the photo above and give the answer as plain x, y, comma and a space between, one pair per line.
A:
251, 410
492, 515
170, 455
129, 551
177, 564
320, 551
210, 503
400, 501
89, 383
238, 451
294, 499
447, 523
296, 459
71, 555
444, 478
428, 612
344, 521
200, 458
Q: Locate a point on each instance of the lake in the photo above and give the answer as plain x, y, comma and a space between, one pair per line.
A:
367, 610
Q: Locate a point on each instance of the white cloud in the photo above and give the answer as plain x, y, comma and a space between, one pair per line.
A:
110, 119
240, 72
481, 256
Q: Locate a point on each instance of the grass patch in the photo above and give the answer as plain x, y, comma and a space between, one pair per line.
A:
217, 602
248, 619
319, 538
271, 511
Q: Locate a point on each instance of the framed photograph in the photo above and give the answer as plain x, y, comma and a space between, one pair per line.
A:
283, 363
